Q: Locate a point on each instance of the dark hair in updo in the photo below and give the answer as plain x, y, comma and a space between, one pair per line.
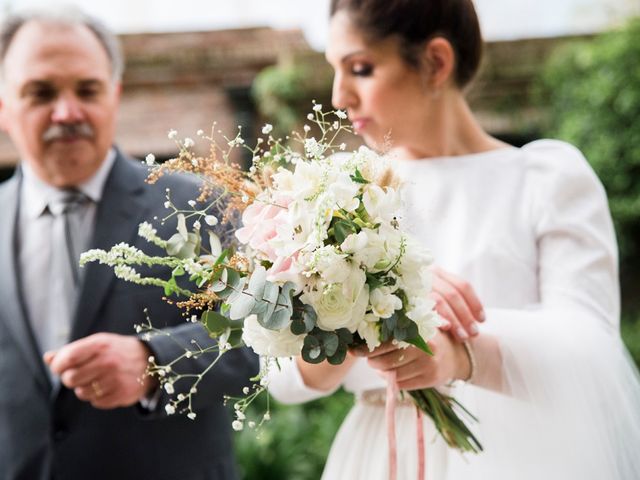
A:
415, 22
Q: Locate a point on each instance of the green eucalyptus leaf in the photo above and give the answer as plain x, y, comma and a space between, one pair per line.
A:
270, 298
330, 342
215, 322
236, 288
257, 281
220, 284
297, 326
338, 357
241, 305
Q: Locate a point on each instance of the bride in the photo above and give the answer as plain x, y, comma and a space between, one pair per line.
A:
527, 273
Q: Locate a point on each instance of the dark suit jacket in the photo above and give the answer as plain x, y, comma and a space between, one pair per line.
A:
46, 432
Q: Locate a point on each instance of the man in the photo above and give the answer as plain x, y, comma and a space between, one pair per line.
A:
79, 415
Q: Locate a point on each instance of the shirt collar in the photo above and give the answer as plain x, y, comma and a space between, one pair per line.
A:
36, 193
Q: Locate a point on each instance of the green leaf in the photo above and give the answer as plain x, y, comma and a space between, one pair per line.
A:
373, 281
241, 305
358, 178
342, 229
220, 283
270, 298
419, 342
257, 282
221, 257
338, 357
330, 342
215, 322
284, 309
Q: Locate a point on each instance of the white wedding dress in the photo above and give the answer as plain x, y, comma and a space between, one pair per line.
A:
530, 230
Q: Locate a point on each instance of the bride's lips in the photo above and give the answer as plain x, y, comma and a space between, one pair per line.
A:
359, 124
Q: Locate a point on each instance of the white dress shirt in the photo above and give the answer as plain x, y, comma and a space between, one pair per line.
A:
34, 246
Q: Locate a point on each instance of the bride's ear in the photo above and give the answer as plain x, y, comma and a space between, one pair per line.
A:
439, 59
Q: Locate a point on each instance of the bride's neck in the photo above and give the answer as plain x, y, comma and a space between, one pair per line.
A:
449, 129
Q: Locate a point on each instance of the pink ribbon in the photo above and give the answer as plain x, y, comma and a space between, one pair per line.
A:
390, 414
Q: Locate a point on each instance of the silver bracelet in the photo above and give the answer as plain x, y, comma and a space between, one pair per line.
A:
472, 361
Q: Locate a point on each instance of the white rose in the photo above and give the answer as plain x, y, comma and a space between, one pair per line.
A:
271, 343
369, 331
340, 305
384, 303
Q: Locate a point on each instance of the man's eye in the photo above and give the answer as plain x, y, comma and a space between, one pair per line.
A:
43, 94
87, 93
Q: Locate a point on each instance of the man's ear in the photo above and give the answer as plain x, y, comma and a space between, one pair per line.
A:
440, 59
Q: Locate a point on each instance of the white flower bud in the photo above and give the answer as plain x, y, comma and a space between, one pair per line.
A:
150, 159
170, 409
237, 425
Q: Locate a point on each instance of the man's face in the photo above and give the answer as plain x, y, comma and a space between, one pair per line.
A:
58, 101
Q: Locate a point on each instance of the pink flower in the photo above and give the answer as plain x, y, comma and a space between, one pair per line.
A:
285, 269
261, 221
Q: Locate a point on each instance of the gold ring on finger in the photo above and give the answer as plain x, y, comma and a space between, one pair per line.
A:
95, 385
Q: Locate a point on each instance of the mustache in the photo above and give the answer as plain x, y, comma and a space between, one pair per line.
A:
64, 131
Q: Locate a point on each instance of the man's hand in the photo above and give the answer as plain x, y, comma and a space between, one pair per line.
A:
105, 369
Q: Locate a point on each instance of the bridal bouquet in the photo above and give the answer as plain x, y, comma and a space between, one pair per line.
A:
322, 262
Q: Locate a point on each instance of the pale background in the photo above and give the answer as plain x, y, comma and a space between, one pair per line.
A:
501, 19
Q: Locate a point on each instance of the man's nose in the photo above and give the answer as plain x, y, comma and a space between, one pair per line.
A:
67, 109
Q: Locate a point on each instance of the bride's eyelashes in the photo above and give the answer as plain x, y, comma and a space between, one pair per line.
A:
362, 69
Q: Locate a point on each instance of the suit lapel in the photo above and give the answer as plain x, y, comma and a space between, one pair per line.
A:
119, 213
11, 298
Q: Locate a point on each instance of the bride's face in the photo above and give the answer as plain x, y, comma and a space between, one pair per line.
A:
384, 97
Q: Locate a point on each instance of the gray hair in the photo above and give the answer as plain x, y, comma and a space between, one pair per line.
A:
70, 16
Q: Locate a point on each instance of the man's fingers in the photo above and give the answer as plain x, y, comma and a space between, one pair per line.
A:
48, 356
84, 375
75, 354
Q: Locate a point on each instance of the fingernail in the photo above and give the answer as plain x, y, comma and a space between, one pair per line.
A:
482, 317
474, 329
461, 333
445, 325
